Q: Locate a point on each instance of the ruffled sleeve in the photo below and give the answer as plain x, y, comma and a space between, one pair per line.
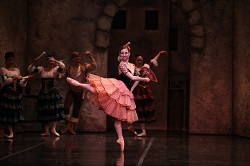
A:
123, 68
5, 78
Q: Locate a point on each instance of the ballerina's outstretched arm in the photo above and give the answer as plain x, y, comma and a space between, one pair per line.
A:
134, 85
74, 82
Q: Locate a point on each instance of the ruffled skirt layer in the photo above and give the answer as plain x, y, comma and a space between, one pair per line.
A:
113, 97
11, 109
49, 106
144, 104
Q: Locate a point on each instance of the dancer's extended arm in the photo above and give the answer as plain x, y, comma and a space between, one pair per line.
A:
134, 85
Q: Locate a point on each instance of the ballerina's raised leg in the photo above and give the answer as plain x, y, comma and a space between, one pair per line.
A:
85, 86
117, 124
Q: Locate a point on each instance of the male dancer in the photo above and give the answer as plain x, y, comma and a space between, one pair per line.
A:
79, 72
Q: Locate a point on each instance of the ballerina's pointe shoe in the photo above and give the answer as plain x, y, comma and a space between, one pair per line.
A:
131, 128
45, 134
9, 136
142, 135
72, 81
121, 142
55, 133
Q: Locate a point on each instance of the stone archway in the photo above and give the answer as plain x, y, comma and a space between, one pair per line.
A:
193, 16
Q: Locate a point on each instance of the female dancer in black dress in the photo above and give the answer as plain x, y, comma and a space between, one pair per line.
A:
50, 108
11, 109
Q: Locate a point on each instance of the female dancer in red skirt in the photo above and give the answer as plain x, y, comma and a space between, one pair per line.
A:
144, 99
113, 96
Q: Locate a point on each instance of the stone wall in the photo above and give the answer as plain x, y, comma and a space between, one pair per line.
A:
211, 71
64, 26
13, 30
241, 100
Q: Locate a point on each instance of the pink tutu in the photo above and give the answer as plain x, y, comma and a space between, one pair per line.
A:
113, 97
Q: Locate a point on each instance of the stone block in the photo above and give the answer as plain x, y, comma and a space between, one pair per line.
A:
187, 5
104, 23
194, 17
110, 9
197, 30
120, 3
102, 39
197, 42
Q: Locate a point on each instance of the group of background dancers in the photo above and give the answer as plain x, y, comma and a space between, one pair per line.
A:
127, 99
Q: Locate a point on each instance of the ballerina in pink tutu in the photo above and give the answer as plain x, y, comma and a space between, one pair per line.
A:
114, 96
